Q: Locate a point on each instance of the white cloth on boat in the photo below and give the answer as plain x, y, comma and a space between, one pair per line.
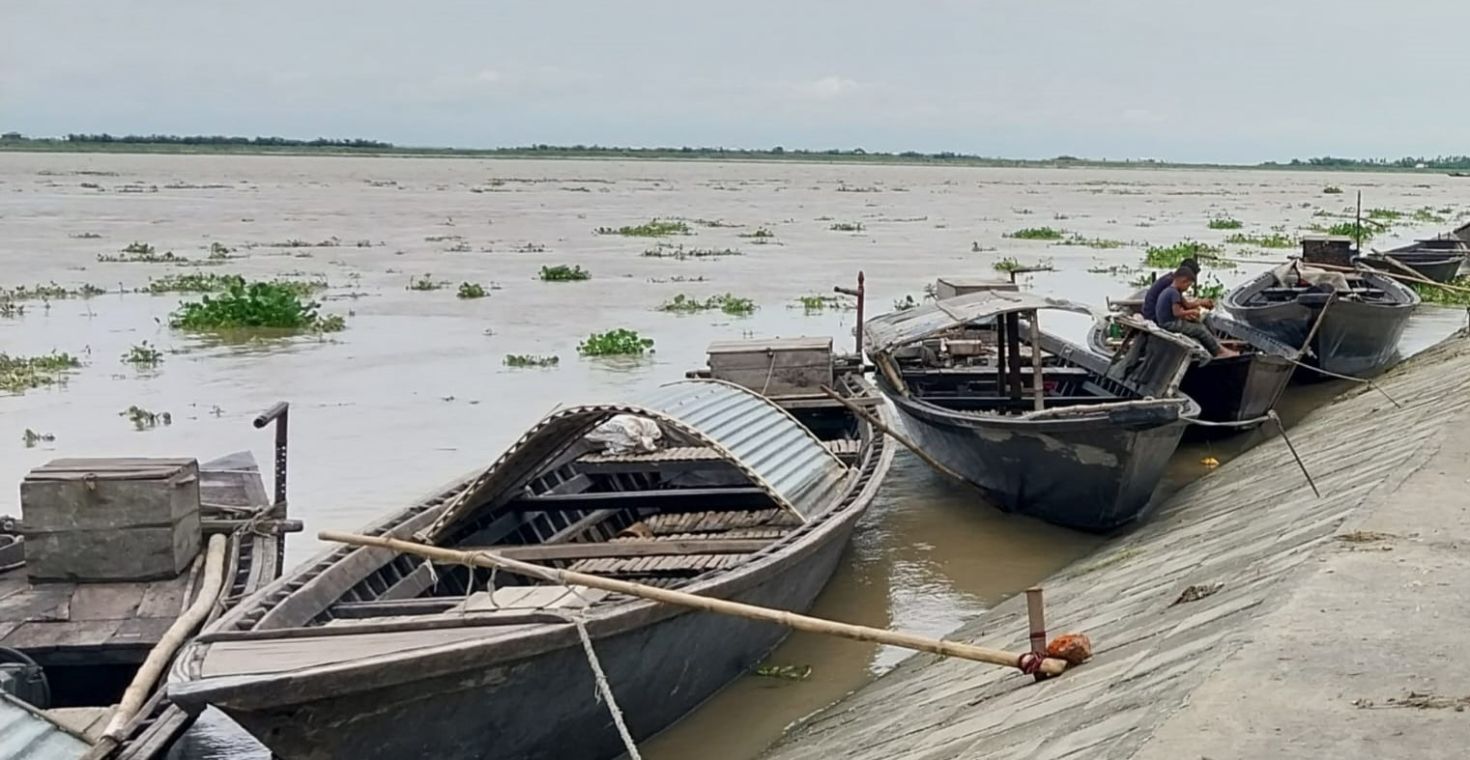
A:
1290, 274
627, 432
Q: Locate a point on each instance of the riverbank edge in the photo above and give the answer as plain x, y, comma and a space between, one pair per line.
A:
1221, 599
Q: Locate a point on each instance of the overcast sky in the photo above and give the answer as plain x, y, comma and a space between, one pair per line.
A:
1246, 80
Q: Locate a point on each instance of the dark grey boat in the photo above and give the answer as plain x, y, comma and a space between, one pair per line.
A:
1357, 335
366, 654
1438, 259
1234, 389
1083, 448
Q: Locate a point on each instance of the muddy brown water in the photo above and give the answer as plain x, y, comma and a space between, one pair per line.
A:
415, 391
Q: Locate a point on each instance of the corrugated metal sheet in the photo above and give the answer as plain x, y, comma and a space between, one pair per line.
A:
26, 734
760, 438
900, 327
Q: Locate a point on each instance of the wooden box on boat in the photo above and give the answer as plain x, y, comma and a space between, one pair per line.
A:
775, 367
127, 519
949, 287
1336, 250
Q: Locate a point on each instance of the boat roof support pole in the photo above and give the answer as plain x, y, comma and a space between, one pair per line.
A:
1038, 388
1013, 340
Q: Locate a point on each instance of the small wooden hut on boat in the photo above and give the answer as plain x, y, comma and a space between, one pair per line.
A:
111, 560
1043, 426
703, 485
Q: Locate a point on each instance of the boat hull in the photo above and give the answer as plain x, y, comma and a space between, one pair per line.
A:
1238, 389
544, 707
1439, 269
1089, 474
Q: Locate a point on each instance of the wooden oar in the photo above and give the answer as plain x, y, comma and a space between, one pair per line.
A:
1048, 665
891, 433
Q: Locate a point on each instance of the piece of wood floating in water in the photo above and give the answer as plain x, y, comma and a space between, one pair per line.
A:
1048, 666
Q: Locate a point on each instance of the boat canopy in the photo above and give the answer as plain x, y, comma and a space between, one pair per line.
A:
900, 328
758, 437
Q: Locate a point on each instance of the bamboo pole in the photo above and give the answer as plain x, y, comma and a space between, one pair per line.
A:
1419, 279
1038, 389
1049, 666
878, 425
163, 652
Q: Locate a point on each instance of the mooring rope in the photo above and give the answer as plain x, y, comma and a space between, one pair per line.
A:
1280, 428
1364, 381
604, 689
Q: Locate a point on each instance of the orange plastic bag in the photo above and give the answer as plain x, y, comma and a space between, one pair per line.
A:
1075, 648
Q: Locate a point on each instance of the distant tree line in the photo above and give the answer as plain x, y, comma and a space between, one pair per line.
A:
1407, 162
265, 142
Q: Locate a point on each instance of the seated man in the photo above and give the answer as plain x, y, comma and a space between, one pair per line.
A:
1178, 314
1166, 281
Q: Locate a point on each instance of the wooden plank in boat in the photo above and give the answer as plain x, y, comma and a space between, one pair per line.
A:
279, 655
141, 631
106, 601
534, 597
162, 599
44, 601
87, 721
628, 548
52, 635
674, 498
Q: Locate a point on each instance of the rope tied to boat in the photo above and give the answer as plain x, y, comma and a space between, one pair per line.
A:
1269, 416
1362, 380
603, 691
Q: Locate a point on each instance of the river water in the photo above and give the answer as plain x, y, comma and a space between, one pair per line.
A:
415, 391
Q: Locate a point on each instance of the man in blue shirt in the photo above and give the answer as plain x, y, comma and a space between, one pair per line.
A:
1177, 314
1166, 281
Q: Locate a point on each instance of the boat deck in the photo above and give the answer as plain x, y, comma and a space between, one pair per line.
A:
61, 623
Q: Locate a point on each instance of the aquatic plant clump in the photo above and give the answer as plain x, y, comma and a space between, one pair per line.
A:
759, 233
19, 374
142, 253
1273, 240
30, 438
1332, 190
654, 228
726, 302
274, 304
143, 355
619, 342
1075, 239
531, 360
49, 292
1036, 233
1360, 233
1208, 286
1225, 223
817, 302
144, 419
847, 227
1171, 256
471, 290
564, 273
1433, 294
680, 253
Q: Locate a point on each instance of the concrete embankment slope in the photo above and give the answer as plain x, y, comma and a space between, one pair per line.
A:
1331, 627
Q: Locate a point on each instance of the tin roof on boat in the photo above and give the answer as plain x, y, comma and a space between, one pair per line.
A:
27, 734
901, 327
758, 437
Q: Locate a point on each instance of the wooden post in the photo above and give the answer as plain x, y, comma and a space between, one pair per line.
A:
1000, 355
1013, 342
1049, 666
1036, 616
1038, 388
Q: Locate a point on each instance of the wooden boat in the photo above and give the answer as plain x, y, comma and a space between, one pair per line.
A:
363, 653
1438, 259
1083, 448
71, 648
1356, 335
1232, 389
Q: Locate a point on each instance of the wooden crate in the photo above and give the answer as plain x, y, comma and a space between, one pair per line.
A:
949, 287
1334, 250
110, 519
775, 367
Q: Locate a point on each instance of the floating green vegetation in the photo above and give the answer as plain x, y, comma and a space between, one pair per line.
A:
1113, 269
847, 227
785, 672
531, 360
1171, 256
714, 223
10, 309
331, 242
619, 342
1103, 243
21, 373
1225, 223
726, 302
759, 233
1347, 229
201, 282
143, 355
1383, 214
1010, 265
1208, 286
31, 438
1428, 215
84, 236
275, 304
905, 303
564, 273
220, 251
1273, 240
143, 419
1332, 190
817, 302
426, 282
48, 292
142, 253
1443, 296
1036, 233
1142, 280
653, 228
471, 290
666, 251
